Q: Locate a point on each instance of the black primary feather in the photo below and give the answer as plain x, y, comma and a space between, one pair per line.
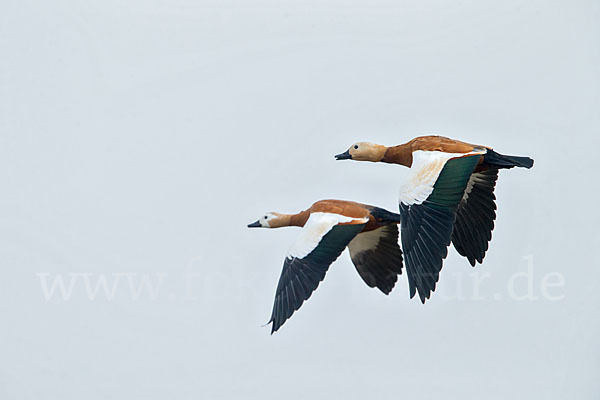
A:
475, 217
301, 276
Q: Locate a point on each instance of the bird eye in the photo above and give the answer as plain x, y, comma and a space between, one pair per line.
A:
265, 217
356, 146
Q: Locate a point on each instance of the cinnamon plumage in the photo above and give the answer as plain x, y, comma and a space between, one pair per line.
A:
328, 227
448, 197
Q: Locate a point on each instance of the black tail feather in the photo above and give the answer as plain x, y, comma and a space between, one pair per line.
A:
502, 161
384, 216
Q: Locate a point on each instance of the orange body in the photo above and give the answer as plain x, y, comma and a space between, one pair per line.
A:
341, 207
402, 154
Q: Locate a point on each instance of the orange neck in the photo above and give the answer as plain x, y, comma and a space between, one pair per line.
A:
401, 154
299, 219
282, 220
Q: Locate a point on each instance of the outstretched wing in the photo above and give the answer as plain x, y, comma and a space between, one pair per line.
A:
323, 238
475, 216
428, 203
377, 257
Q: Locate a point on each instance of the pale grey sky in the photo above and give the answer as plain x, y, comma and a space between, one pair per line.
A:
138, 138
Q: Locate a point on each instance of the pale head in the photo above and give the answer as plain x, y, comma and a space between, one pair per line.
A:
271, 220
363, 151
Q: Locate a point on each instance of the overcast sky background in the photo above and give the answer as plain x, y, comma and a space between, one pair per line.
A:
140, 137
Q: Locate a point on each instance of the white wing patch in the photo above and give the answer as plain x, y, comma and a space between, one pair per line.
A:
424, 172
317, 226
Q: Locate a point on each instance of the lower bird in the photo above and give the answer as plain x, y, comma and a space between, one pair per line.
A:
329, 226
448, 197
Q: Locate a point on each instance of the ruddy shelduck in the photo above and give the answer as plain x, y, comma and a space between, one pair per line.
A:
447, 197
328, 227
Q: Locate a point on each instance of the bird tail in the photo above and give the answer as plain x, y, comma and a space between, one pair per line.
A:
385, 216
502, 161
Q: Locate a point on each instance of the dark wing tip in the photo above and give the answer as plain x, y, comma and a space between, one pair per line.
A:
378, 257
300, 277
475, 217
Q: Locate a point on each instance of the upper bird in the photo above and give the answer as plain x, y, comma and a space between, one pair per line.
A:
447, 197
371, 234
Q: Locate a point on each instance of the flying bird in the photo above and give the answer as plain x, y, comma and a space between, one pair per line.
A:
328, 227
447, 197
